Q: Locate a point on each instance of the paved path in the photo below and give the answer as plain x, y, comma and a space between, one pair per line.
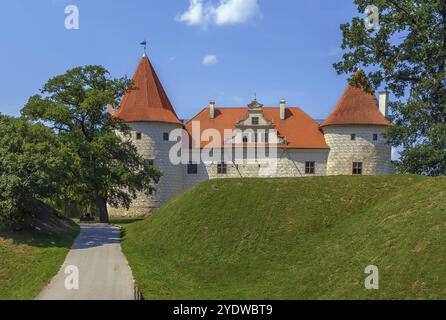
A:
103, 270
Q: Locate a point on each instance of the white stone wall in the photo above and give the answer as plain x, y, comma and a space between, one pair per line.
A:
153, 147
338, 160
290, 163
375, 155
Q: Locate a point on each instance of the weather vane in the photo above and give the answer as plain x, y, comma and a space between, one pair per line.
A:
144, 43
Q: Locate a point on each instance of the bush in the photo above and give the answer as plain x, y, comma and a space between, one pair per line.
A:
29, 165
15, 204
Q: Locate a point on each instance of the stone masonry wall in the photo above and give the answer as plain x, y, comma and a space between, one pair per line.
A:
375, 155
338, 160
290, 163
153, 147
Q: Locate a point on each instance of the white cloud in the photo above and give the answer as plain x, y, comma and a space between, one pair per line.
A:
194, 15
226, 12
235, 11
210, 59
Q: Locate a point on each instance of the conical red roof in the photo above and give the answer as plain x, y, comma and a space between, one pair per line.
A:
148, 101
356, 106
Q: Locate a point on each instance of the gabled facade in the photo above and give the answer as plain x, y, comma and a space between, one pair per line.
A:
350, 141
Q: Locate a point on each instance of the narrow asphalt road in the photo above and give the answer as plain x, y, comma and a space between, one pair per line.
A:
103, 270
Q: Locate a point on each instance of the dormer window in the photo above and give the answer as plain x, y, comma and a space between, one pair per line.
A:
353, 137
375, 137
138, 136
255, 121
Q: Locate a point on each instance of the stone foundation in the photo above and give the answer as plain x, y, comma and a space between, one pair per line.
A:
131, 213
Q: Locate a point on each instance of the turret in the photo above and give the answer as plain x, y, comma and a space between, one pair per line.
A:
354, 131
149, 113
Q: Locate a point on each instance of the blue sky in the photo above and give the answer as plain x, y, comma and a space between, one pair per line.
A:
279, 49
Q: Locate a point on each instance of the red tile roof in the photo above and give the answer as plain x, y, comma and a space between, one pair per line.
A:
356, 106
149, 101
299, 129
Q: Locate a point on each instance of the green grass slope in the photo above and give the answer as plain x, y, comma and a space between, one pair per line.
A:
30, 258
304, 238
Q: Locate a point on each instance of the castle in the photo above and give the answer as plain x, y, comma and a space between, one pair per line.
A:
349, 142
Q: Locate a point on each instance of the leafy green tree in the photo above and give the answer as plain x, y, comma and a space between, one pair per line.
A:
31, 163
110, 170
407, 54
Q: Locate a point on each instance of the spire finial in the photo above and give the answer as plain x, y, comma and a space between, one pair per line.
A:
144, 43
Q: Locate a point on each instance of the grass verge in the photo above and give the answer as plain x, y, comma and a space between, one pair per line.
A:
295, 239
29, 259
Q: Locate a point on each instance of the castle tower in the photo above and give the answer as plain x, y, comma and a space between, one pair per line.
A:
152, 118
355, 134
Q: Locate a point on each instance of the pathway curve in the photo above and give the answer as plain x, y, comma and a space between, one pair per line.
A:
104, 273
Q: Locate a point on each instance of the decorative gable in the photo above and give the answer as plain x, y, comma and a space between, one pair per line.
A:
255, 118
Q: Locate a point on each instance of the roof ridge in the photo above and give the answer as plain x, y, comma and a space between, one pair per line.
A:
159, 86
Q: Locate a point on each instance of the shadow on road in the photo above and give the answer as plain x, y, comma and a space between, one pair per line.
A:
96, 236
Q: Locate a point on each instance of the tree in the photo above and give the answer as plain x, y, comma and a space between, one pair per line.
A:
407, 54
31, 163
109, 168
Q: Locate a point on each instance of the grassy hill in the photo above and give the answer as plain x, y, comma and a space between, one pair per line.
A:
304, 238
30, 258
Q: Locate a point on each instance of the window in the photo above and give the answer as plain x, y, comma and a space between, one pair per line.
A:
192, 168
353, 137
222, 168
149, 163
255, 121
375, 137
166, 136
138, 136
357, 168
245, 139
310, 167
267, 137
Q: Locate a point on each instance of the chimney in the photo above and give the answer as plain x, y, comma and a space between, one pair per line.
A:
383, 103
282, 109
212, 109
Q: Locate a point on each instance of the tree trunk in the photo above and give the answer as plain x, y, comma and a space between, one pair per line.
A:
101, 204
65, 209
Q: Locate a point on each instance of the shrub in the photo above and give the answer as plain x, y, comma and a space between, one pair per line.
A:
29, 165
